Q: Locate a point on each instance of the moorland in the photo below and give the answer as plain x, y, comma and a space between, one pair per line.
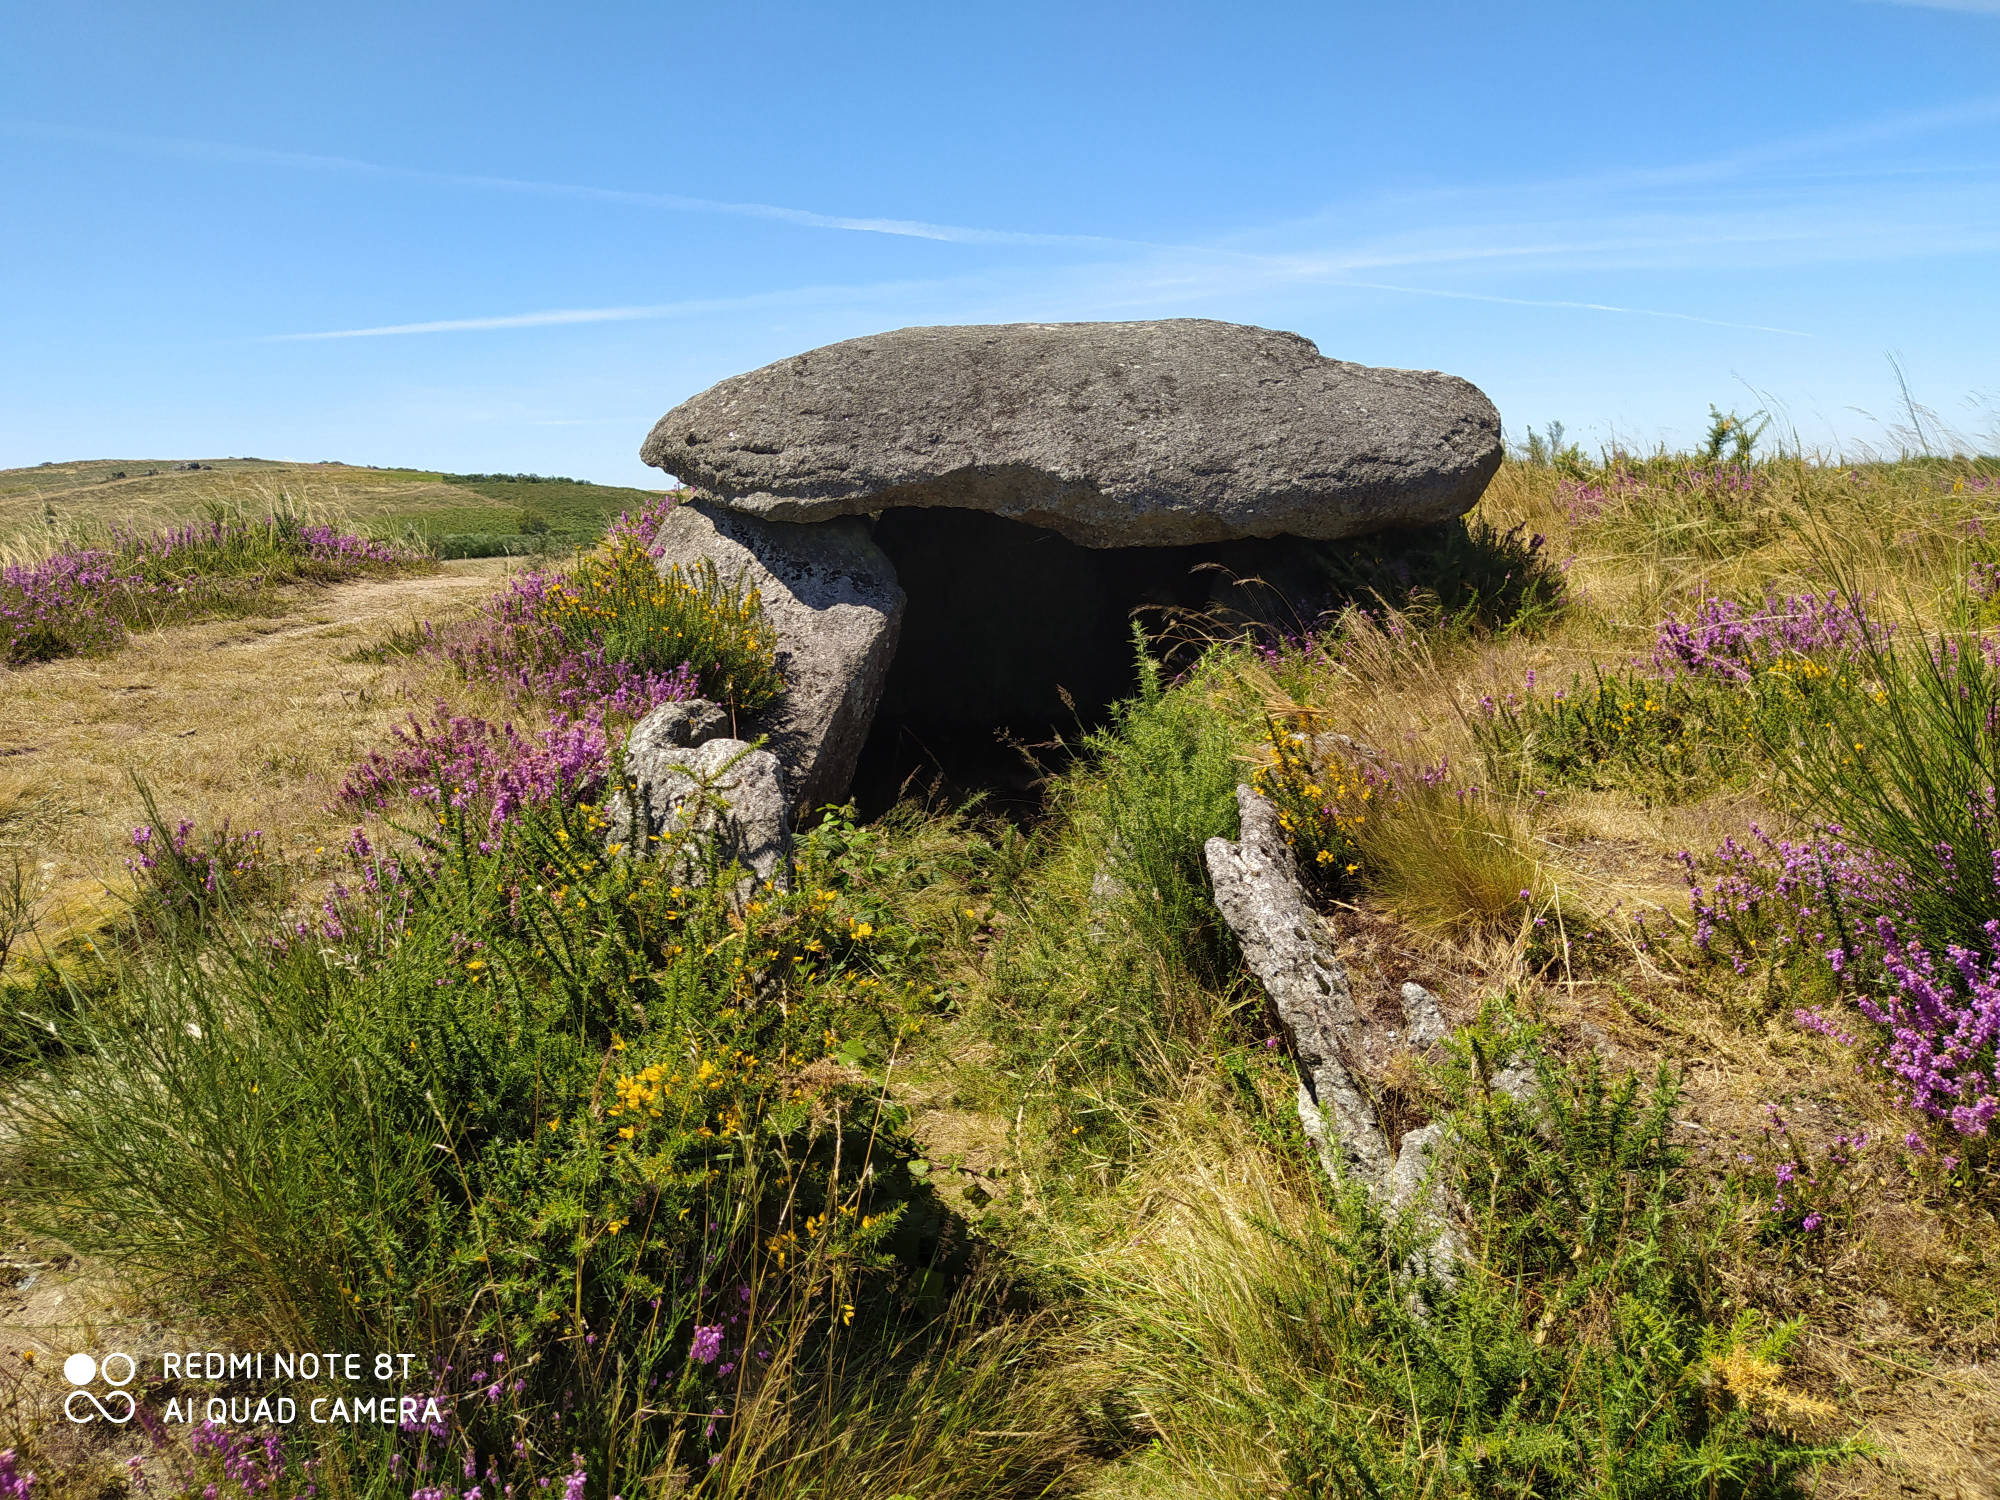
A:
333, 1015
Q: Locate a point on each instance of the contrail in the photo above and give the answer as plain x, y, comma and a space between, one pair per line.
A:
261, 156
555, 317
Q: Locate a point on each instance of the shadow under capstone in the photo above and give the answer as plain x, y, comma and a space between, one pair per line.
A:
1014, 637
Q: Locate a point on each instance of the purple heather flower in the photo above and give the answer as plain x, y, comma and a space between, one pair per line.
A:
706, 1344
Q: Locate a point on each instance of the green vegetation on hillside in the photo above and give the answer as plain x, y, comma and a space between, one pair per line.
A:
476, 515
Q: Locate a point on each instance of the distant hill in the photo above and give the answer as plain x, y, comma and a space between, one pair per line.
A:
460, 515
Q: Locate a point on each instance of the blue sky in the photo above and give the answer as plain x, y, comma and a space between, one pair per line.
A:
507, 237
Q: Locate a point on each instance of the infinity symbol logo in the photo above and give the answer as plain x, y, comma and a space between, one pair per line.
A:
80, 1369
69, 1407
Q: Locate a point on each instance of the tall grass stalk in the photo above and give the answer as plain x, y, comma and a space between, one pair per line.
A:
1905, 759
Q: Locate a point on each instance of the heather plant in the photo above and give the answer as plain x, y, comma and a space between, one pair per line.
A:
1938, 1023
1730, 640
1905, 757
184, 879
1830, 925
519, 1093
1804, 1194
16, 1483
1777, 904
1724, 679
465, 763
83, 599
616, 632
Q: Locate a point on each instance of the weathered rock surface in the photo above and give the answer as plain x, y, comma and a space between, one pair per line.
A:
1288, 948
649, 754
729, 797
1426, 1019
833, 599
1112, 434
675, 726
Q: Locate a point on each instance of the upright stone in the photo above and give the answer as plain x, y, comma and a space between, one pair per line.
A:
833, 599
1147, 434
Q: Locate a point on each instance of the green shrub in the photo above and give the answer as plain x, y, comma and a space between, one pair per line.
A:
1464, 575
1161, 783
1108, 968
525, 1099
1665, 739
1581, 1345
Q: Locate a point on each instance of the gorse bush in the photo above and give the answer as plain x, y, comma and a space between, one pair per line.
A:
1665, 739
1324, 801
1445, 859
614, 631
1738, 434
1580, 1347
527, 1099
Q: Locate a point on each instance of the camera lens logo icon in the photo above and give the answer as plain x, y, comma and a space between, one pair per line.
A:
82, 1371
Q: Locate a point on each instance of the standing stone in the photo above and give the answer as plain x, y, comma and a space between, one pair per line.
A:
1145, 434
833, 599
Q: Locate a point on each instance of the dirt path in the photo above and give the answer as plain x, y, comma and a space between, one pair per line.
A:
254, 720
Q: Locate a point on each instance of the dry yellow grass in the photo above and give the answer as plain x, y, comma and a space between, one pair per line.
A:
250, 720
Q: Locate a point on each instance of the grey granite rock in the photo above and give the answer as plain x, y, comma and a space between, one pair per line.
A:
1426, 1024
834, 601
1289, 949
728, 796
649, 752
1112, 434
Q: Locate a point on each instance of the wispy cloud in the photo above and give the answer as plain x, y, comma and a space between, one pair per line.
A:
1161, 288
804, 296
1818, 197
1975, 7
1605, 307
554, 317
806, 218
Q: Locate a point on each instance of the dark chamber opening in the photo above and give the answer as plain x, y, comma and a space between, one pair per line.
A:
1014, 637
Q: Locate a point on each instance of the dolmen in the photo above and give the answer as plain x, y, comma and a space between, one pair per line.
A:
951, 528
